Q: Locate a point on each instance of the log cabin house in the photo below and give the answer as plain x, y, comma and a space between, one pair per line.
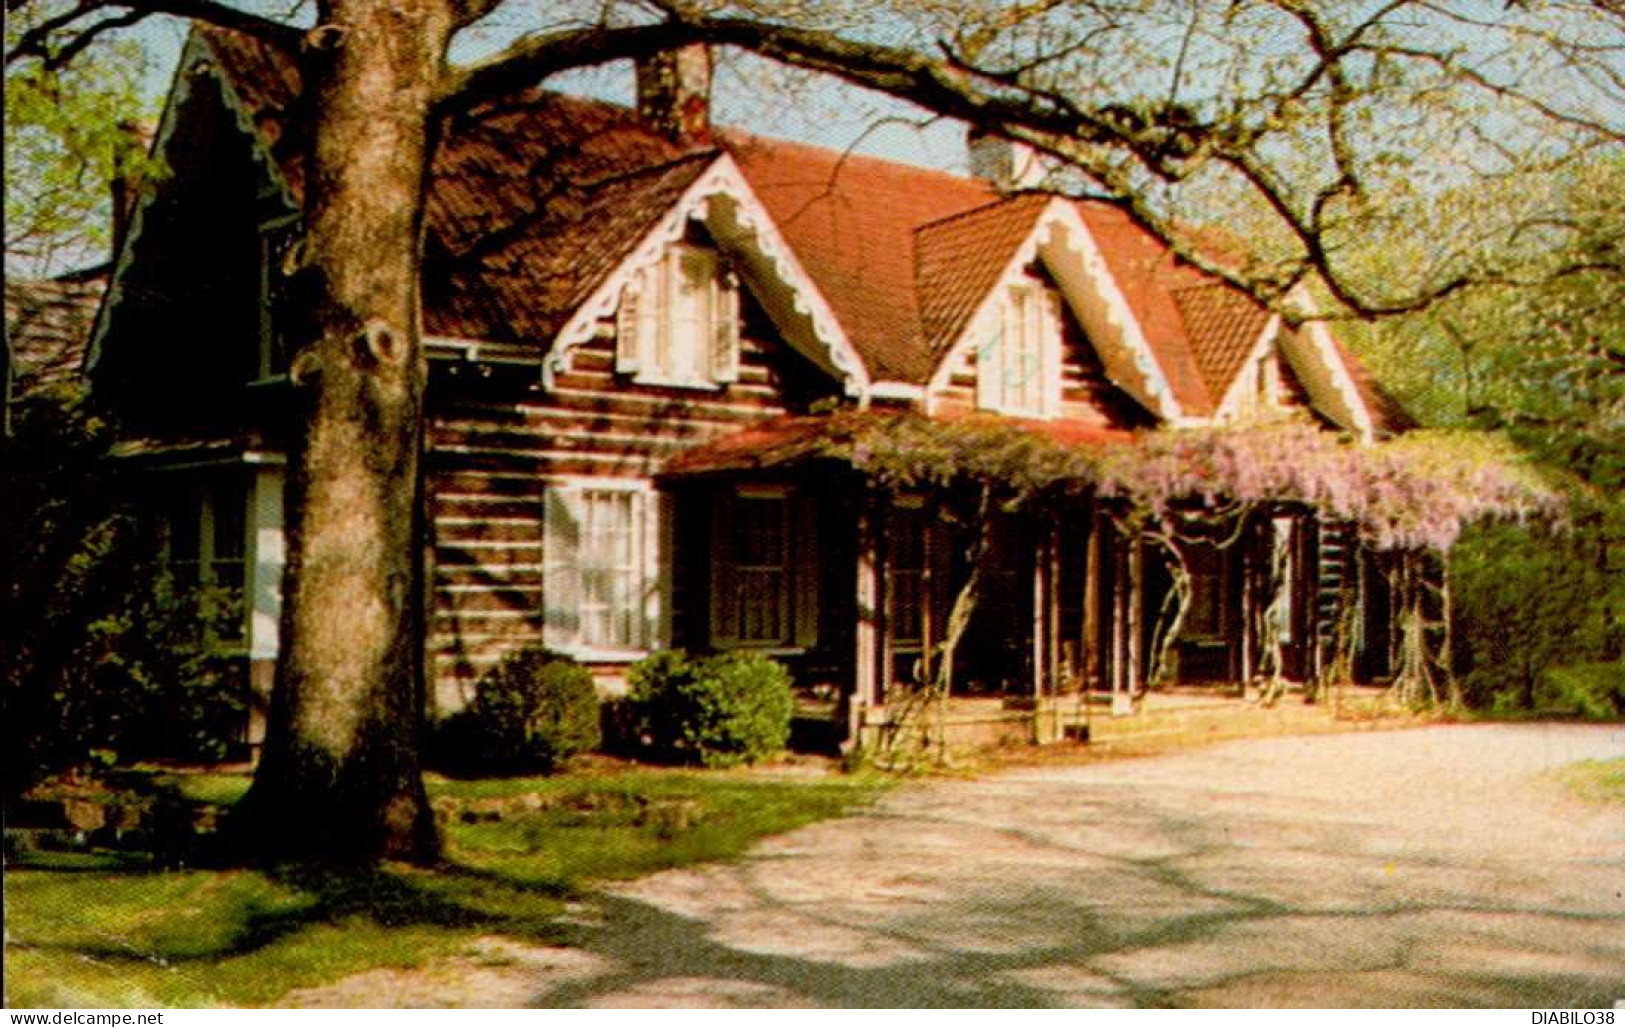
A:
636, 326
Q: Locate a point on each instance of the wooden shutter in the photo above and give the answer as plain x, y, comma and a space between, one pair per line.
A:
807, 568
724, 583
725, 327
628, 327
659, 542
561, 570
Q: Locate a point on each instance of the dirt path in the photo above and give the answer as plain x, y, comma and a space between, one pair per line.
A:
1425, 867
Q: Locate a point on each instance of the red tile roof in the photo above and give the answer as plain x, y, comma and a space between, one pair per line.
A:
536, 199
1224, 326
960, 260
853, 221
47, 327
1143, 268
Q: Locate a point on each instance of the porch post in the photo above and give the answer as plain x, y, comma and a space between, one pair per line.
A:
864, 691
263, 592
1119, 669
1091, 637
1040, 643
1092, 571
1136, 603
1053, 671
1249, 599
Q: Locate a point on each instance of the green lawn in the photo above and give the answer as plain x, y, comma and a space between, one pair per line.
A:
1600, 781
88, 931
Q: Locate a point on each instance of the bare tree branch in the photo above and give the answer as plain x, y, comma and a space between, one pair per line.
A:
37, 41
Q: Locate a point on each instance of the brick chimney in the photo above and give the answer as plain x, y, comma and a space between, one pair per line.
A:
674, 92
1007, 164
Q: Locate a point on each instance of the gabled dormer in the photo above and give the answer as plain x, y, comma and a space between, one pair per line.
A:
1029, 322
187, 323
1018, 368
678, 302
1263, 387
678, 321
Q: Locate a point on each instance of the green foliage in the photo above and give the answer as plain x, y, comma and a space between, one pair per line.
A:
67, 133
563, 831
720, 711
1595, 691
535, 710
1526, 601
1541, 364
1599, 781
102, 660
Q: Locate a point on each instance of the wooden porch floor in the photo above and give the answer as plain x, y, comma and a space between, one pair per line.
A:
1180, 714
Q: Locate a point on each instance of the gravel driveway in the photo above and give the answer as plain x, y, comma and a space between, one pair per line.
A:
1401, 868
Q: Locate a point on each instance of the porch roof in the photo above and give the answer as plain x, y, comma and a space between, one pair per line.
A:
800, 439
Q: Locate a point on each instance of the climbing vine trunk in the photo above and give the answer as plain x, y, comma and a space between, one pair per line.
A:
340, 777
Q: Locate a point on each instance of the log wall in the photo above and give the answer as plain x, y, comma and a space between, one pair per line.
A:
494, 439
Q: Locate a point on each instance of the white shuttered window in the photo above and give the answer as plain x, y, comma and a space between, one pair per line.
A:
678, 322
1019, 372
602, 567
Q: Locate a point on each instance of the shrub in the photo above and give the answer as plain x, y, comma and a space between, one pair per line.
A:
103, 659
535, 710
1595, 691
1528, 600
720, 711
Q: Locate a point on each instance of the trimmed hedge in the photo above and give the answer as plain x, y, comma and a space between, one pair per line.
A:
534, 711
719, 711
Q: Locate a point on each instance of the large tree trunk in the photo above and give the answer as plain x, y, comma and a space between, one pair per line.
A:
340, 778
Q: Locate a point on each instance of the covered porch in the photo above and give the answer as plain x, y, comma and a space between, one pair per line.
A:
1078, 621
1038, 621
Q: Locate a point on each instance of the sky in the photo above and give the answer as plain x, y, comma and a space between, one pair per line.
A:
825, 112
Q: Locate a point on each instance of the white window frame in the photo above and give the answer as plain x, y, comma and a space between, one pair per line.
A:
652, 343
200, 501
784, 641
650, 524
1018, 372
274, 238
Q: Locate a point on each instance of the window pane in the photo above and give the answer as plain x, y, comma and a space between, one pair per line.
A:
1018, 359
680, 348
906, 538
229, 505
761, 581
760, 523
185, 520
1205, 617
609, 561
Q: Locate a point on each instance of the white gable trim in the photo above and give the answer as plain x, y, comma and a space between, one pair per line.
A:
1059, 234
245, 123
1355, 416
1229, 405
723, 200
889, 390
197, 59
180, 90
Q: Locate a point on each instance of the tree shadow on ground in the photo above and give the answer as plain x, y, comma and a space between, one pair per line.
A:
651, 955
1213, 918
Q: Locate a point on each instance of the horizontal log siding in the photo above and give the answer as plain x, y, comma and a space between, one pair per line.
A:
1086, 393
491, 445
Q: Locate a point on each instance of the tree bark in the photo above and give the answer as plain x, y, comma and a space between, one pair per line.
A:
340, 777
